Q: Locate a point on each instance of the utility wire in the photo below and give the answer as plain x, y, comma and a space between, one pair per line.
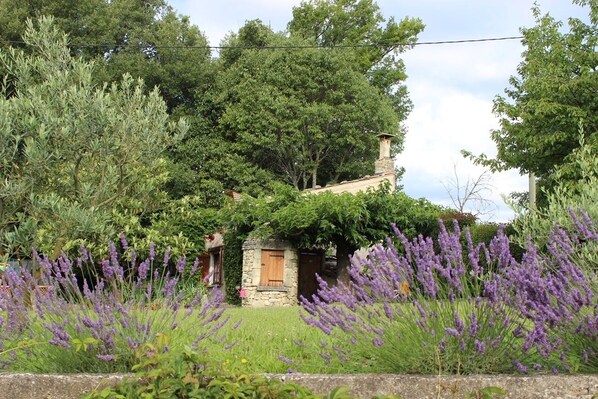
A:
340, 46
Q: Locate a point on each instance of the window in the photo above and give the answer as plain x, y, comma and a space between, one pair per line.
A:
272, 273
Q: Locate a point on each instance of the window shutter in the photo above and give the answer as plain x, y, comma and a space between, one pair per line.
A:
272, 272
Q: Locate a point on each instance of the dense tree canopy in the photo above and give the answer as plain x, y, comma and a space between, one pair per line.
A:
329, 103
309, 110
553, 98
124, 36
77, 160
101, 157
359, 23
149, 41
344, 221
304, 114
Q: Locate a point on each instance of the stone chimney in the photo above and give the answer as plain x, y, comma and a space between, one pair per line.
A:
385, 164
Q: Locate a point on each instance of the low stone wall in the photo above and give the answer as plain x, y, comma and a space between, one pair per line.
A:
46, 386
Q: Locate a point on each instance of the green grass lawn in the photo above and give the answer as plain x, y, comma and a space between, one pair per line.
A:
264, 334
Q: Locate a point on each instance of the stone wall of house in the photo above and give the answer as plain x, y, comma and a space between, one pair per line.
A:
260, 296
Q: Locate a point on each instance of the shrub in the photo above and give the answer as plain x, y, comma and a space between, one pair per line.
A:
163, 374
483, 232
576, 189
76, 318
232, 266
185, 374
418, 310
463, 218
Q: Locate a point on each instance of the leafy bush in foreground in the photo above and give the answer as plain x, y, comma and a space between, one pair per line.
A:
163, 374
418, 310
74, 318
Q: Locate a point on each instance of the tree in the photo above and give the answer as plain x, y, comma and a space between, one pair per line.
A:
554, 92
78, 161
304, 114
145, 39
378, 43
576, 189
471, 195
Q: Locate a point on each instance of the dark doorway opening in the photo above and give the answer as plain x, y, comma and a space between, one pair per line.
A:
310, 264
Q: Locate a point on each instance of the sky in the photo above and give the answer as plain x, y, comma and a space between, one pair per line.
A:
451, 86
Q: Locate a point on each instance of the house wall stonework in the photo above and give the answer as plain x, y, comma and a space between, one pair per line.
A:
262, 296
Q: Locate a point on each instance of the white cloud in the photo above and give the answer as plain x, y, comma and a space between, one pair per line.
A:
446, 120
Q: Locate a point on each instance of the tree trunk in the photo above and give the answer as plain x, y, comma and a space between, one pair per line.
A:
343, 251
314, 172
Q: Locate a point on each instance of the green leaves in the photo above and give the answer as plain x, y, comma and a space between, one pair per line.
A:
327, 218
186, 375
553, 93
304, 115
83, 344
489, 392
75, 159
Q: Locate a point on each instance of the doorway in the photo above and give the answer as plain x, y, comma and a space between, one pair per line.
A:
310, 264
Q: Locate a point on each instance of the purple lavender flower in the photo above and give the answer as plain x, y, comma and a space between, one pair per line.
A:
107, 269
480, 347
286, 359
166, 257
180, 265
452, 331
523, 369
195, 267
474, 326
143, 269
123, 241
459, 326
152, 252
106, 358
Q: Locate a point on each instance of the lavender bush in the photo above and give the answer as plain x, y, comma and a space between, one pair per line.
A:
425, 306
75, 318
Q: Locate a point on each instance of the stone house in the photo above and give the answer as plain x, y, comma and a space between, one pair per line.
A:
275, 273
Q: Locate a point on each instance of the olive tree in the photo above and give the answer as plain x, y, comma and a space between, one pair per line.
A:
78, 161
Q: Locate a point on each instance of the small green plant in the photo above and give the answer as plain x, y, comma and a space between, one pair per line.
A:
487, 393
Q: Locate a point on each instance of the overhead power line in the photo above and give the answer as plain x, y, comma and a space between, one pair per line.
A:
290, 47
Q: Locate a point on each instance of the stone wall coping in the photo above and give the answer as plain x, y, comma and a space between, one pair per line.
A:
584, 386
